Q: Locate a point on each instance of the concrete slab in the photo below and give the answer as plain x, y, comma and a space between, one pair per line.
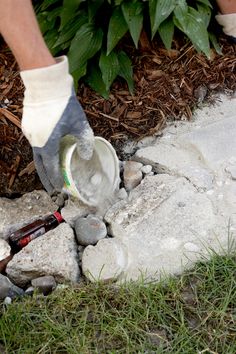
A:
188, 208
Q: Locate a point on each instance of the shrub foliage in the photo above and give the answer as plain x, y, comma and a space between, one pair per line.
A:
89, 32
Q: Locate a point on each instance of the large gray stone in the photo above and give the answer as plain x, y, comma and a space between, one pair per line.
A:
215, 143
105, 261
90, 230
165, 225
44, 284
54, 253
18, 212
171, 159
8, 289
5, 249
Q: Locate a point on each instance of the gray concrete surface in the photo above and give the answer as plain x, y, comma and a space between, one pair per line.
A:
176, 217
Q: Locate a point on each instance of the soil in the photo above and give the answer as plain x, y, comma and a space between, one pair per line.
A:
168, 85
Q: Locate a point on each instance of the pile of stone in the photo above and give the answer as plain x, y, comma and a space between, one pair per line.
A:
57, 256
177, 202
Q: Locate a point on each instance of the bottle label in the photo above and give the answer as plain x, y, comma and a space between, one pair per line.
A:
27, 239
37, 233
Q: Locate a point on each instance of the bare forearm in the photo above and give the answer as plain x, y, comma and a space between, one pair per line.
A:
19, 28
227, 6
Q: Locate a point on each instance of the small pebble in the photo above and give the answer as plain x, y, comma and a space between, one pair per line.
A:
44, 284
132, 174
200, 93
146, 169
7, 301
132, 165
122, 194
29, 291
89, 230
232, 171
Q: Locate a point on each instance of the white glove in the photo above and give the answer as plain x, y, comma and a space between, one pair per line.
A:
228, 22
51, 111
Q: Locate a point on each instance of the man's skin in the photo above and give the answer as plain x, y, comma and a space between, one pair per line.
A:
19, 28
227, 6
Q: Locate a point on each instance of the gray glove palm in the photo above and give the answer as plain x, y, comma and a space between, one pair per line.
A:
51, 111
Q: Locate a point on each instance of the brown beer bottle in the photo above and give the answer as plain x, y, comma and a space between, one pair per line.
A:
20, 238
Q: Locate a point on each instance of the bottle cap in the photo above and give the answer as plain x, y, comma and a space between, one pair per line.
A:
58, 217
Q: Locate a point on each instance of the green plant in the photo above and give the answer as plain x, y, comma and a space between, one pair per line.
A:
89, 32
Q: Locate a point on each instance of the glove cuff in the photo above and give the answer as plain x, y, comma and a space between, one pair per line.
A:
49, 83
228, 22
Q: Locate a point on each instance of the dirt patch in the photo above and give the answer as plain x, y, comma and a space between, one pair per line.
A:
168, 85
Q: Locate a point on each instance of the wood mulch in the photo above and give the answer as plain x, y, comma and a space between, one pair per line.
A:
168, 85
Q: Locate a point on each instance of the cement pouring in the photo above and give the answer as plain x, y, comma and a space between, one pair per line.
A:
182, 213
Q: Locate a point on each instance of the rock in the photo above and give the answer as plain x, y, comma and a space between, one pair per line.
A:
214, 143
16, 213
232, 171
29, 291
7, 301
200, 93
54, 253
59, 199
162, 214
176, 161
75, 209
133, 165
5, 250
90, 230
122, 194
132, 174
44, 284
146, 169
166, 158
8, 289
105, 261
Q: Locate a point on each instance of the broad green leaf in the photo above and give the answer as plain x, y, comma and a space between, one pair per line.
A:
50, 39
180, 14
71, 28
53, 14
94, 79
166, 32
116, 29
126, 70
192, 24
118, 2
46, 4
47, 19
205, 13
133, 14
77, 74
85, 44
215, 43
93, 6
205, 2
159, 10
109, 66
69, 8
44, 24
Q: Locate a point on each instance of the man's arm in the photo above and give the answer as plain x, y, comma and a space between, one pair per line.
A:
50, 107
20, 30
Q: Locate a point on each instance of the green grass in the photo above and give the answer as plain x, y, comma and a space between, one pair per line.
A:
194, 313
